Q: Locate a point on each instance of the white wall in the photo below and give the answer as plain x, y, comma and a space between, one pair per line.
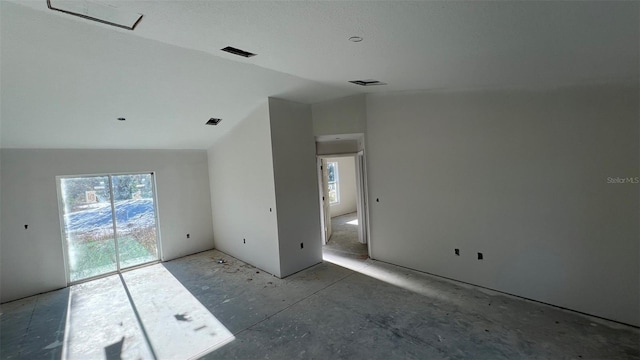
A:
32, 259
346, 115
338, 147
346, 186
520, 176
296, 185
243, 192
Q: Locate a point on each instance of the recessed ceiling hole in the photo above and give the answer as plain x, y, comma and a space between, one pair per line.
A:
367, 82
213, 121
236, 51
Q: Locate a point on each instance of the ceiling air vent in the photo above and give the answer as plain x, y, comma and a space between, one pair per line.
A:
214, 121
367, 82
238, 52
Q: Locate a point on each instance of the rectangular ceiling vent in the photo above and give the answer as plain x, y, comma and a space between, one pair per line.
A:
238, 52
214, 121
367, 82
105, 14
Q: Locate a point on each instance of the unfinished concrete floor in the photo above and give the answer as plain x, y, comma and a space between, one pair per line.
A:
361, 309
344, 238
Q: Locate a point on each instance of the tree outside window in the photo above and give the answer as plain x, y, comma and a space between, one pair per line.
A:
334, 190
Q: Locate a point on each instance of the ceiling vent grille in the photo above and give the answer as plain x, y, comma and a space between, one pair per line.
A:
367, 82
214, 121
238, 52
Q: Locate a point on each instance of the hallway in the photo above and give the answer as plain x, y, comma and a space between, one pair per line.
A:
344, 238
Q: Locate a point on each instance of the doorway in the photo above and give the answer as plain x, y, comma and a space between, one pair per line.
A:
109, 223
342, 195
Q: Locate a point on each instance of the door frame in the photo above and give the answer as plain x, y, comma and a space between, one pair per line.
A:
65, 248
322, 199
362, 200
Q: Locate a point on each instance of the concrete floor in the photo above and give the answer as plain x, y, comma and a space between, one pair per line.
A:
360, 309
344, 238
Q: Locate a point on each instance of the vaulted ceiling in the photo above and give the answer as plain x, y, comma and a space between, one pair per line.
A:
65, 80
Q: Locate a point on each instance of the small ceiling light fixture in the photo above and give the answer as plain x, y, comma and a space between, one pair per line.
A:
121, 119
367, 82
213, 121
355, 39
89, 10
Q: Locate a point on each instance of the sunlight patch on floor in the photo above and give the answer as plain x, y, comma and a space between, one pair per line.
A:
177, 324
102, 321
353, 222
391, 274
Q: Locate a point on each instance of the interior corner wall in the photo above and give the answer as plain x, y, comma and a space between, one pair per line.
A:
528, 178
346, 186
32, 259
346, 115
243, 198
296, 186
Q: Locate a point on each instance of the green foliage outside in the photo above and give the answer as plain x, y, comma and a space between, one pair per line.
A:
99, 256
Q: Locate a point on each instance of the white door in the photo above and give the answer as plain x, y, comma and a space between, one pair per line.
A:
361, 199
325, 201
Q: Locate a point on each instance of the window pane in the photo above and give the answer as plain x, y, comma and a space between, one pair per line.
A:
135, 219
334, 190
88, 226
331, 167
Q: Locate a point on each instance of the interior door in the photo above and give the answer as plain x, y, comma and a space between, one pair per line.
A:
325, 201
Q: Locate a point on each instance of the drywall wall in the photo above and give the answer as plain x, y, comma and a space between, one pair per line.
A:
523, 177
346, 115
243, 198
296, 186
32, 259
351, 146
346, 186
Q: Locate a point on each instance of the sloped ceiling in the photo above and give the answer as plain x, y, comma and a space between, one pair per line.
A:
65, 80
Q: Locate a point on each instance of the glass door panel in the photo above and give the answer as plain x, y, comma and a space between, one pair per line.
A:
88, 226
133, 200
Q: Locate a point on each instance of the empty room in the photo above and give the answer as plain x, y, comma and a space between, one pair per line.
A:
319, 179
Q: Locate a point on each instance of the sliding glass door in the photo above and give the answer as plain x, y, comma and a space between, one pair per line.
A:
108, 223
